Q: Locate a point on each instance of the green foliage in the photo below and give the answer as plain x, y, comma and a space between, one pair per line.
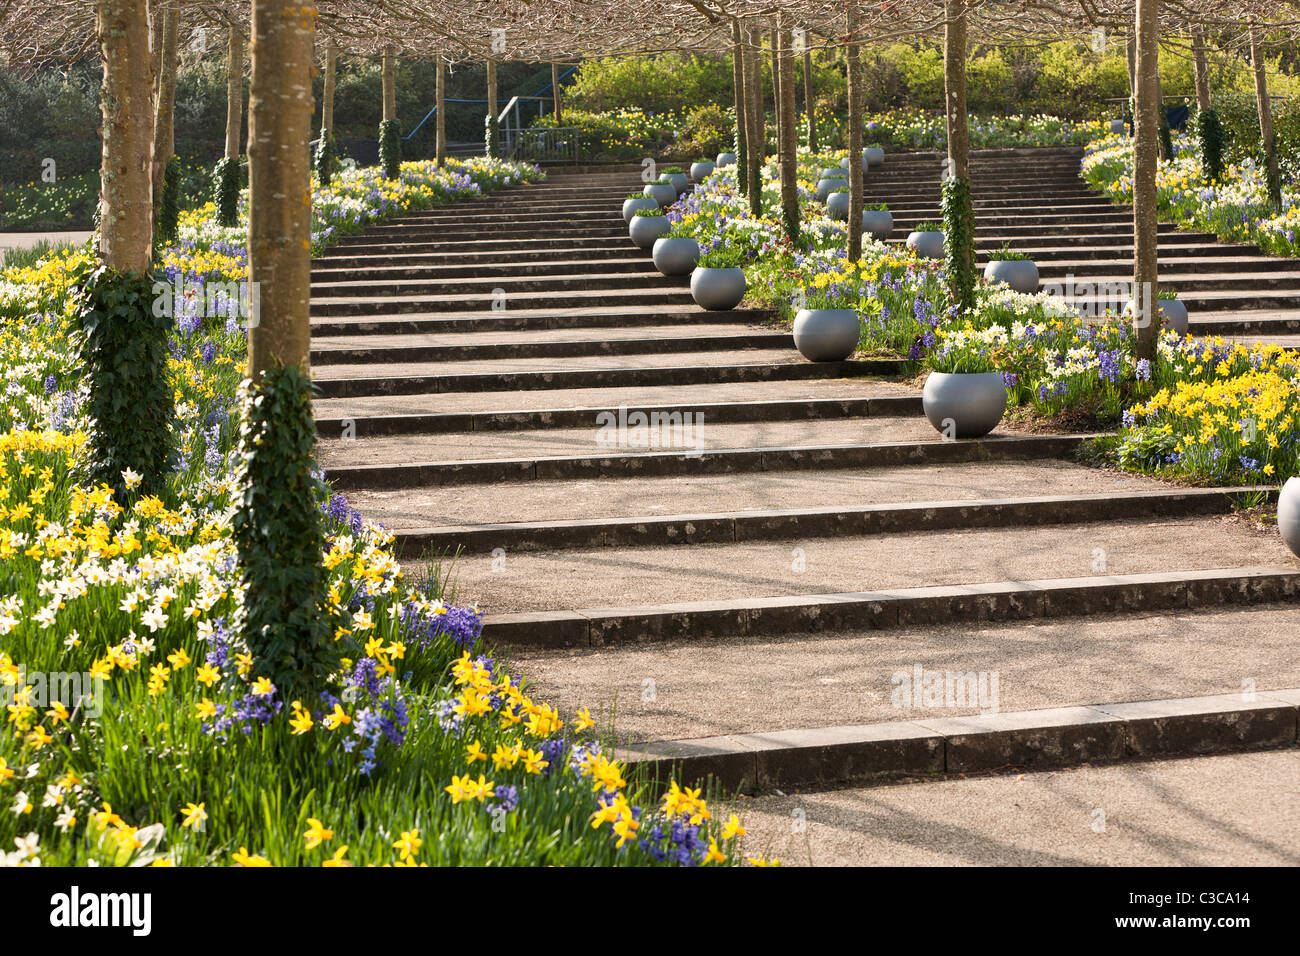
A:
122, 356
324, 159
390, 148
959, 242
279, 536
67, 203
1212, 138
1007, 254
225, 191
492, 137
1166, 139
169, 205
656, 84
707, 129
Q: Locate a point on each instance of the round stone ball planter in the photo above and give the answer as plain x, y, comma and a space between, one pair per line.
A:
964, 404
1117, 126
675, 255
826, 335
874, 156
927, 245
1288, 515
681, 182
1020, 274
878, 223
717, 289
701, 170
1173, 310
630, 206
827, 186
837, 206
866, 166
663, 193
726, 159
644, 230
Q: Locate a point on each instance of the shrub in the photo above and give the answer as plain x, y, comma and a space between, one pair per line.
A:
708, 129
225, 191
169, 205
324, 159
1211, 137
492, 137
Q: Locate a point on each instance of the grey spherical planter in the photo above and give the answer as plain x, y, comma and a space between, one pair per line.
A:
681, 182
675, 255
1288, 515
826, 335
726, 159
630, 206
837, 206
1117, 126
644, 230
1020, 274
717, 289
878, 222
834, 172
866, 164
927, 245
874, 155
701, 170
964, 404
663, 193
826, 186
1174, 310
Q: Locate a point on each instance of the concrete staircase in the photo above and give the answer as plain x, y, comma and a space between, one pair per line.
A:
481, 367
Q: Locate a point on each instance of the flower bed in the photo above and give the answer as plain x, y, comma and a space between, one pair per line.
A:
1174, 415
1235, 210
420, 749
927, 129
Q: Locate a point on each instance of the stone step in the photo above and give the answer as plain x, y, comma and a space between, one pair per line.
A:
776, 400
645, 497
484, 287
811, 523
344, 381
716, 619
713, 461
612, 225
541, 267
362, 245
1199, 301
1245, 322
1171, 264
517, 319
481, 302
465, 219
612, 251
471, 348
935, 741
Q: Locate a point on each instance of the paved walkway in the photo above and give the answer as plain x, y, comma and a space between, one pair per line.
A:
1229, 810
25, 240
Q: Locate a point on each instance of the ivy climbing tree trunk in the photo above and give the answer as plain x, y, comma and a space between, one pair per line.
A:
279, 181
853, 56
959, 210
1201, 69
491, 125
234, 90
1146, 152
1267, 135
788, 130
440, 114
164, 136
327, 89
742, 108
757, 130
809, 104
126, 184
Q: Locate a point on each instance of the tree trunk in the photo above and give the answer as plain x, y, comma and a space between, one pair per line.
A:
327, 89
234, 90
1146, 154
1265, 106
388, 76
492, 88
853, 54
1202, 69
279, 181
777, 116
555, 92
440, 113
758, 129
809, 104
789, 132
742, 108
126, 197
164, 131
961, 237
